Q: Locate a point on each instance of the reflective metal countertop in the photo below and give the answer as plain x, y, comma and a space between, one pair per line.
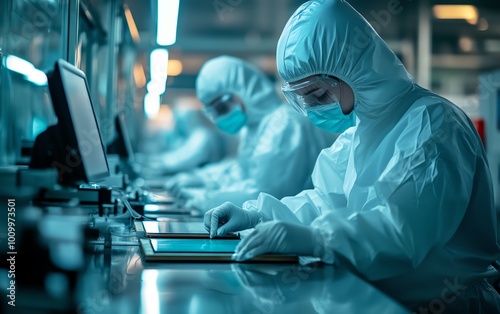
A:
118, 281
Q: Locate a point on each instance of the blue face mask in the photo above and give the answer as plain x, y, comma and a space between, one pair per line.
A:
233, 121
330, 118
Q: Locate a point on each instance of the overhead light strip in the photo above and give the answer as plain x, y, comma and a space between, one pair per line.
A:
27, 69
168, 13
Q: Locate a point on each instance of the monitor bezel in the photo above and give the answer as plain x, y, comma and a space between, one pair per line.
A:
123, 136
60, 103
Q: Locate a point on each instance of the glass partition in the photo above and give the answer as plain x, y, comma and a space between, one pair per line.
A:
32, 39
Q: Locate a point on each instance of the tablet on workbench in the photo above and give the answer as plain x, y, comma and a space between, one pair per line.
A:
179, 230
201, 250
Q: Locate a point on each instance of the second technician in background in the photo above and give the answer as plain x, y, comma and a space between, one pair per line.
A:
202, 144
278, 147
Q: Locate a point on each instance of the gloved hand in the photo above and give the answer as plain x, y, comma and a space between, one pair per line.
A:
180, 181
276, 237
172, 181
153, 170
197, 201
194, 199
228, 218
190, 193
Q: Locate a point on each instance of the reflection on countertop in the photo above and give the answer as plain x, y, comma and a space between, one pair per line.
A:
119, 281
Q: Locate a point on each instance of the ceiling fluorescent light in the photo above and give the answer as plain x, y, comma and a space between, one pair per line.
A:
158, 68
168, 12
27, 69
19, 65
37, 77
151, 105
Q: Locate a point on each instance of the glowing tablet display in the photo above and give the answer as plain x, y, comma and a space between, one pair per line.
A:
194, 245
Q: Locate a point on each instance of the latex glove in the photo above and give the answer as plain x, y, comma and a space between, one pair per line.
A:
195, 200
191, 193
153, 170
172, 181
181, 181
199, 200
276, 237
228, 218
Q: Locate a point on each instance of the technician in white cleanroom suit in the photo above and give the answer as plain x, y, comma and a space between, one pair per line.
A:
405, 197
202, 143
278, 147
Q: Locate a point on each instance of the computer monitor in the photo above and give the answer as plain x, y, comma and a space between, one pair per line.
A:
74, 146
121, 144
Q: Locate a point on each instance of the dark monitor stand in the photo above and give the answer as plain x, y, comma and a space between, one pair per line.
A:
74, 145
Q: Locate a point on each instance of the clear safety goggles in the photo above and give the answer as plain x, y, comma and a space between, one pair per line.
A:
317, 91
221, 106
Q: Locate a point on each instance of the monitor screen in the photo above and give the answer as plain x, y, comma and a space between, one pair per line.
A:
77, 122
125, 148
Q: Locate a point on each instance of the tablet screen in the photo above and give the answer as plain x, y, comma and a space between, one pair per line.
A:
174, 227
194, 245
180, 229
